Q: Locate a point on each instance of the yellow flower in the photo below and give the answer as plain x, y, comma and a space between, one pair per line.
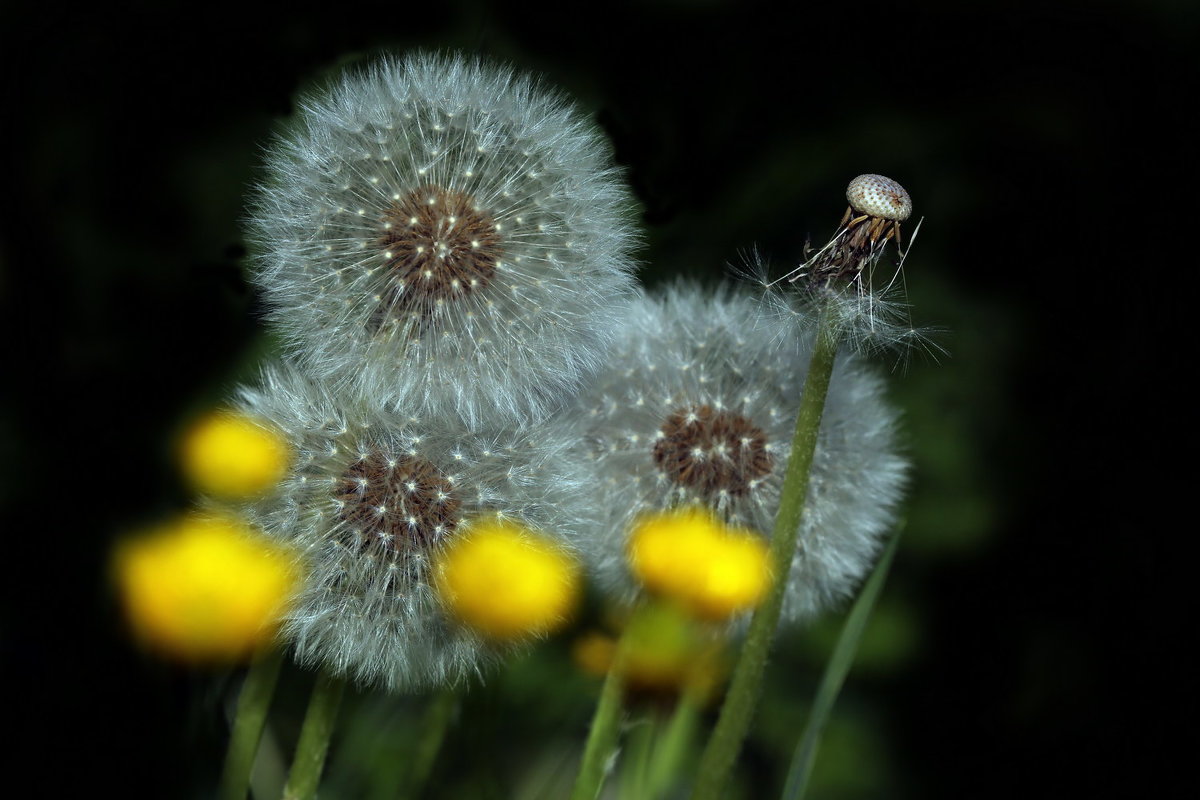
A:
203, 588
231, 455
715, 571
594, 652
663, 650
506, 582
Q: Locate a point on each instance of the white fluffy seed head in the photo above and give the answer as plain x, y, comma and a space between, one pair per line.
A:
880, 197
698, 406
444, 235
371, 498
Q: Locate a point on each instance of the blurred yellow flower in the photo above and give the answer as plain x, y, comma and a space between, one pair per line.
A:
689, 555
506, 582
233, 456
593, 652
663, 650
203, 588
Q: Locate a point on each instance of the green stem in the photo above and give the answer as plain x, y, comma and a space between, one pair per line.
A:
835, 675
248, 723
434, 724
722, 750
309, 760
671, 749
635, 758
602, 738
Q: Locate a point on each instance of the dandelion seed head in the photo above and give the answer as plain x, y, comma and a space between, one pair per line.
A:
443, 234
698, 409
374, 499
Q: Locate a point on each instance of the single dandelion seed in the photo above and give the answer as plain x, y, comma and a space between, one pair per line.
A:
204, 587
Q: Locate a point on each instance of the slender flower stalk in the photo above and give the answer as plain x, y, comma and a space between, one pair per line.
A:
734, 721
442, 708
672, 744
248, 724
309, 761
636, 756
836, 670
605, 731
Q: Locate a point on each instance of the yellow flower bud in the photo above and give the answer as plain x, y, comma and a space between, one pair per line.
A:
203, 588
689, 555
594, 652
233, 456
506, 582
664, 650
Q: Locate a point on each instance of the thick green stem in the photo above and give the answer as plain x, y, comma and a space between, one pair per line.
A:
309, 760
248, 723
736, 713
602, 739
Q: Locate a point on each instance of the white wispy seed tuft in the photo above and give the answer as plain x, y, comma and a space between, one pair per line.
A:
442, 235
698, 407
372, 498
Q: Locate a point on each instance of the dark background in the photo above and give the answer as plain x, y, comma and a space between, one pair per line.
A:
1039, 607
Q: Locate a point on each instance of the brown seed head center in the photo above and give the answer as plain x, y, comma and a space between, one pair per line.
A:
397, 504
712, 451
439, 245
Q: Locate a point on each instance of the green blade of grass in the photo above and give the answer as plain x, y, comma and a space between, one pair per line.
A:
836, 670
